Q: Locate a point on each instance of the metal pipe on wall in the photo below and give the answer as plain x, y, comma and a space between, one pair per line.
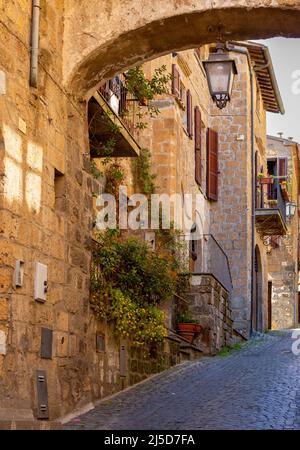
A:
34, 42
232, 47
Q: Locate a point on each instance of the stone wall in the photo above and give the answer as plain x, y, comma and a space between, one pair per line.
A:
283, 257
152, 28
231, 215
209, 304
45, 217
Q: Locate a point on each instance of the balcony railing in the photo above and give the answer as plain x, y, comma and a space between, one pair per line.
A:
114, 113
270, 210
123, 103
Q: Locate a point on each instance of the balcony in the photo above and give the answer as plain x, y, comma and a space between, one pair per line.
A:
270, 212
113, 114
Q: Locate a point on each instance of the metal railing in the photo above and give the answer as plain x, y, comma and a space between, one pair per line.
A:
270, 197
216, 262
123, 103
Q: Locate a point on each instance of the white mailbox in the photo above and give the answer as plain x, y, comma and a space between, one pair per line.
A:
40, 282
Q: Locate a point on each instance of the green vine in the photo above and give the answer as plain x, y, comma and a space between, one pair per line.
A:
144, 177
128, 284
145, 90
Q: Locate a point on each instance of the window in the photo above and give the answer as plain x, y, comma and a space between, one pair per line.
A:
198, 136
212, 164
176, 82
282, 168
60, 190
183, 98
189, 114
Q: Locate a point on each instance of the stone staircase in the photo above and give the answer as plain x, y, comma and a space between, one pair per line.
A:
184, 350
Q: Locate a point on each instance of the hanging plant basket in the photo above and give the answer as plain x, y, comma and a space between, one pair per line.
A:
266, 180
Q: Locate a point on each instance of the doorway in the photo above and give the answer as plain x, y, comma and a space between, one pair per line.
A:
270, 287
257, 311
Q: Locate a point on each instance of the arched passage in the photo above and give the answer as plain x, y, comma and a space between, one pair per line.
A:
103, 39
257, 311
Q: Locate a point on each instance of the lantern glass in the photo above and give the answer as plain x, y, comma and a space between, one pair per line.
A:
220, 71
220, 77
290, 209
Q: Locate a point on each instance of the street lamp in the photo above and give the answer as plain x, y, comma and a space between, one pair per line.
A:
290, 209
220, 71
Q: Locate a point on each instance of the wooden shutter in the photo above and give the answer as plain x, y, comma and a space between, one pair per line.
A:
198, 168
282, 168
189, 108
175, 81
212, 164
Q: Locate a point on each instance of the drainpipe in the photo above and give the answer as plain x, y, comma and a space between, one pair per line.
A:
232, 47
296, 306
35, 28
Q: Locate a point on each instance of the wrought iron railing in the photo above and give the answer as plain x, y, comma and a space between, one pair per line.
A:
269, 196
216, 262
123, 103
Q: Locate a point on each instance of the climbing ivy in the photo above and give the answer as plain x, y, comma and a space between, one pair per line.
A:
128, 284
144, 90
144, 177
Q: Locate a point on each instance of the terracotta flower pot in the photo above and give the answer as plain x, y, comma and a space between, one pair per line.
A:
285, 193
188, 330
266, 180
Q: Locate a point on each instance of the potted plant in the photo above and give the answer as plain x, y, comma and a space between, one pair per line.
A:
285, 190
265, 179
187, 326
273, 203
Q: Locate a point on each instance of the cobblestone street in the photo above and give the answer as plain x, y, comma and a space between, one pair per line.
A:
256, 387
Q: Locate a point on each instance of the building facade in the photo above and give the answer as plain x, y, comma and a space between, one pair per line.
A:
52, 358
283, 304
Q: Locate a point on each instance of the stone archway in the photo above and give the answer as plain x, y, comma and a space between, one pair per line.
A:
104, 38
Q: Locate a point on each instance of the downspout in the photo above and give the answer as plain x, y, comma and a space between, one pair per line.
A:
296, 306
243, 51
34, 41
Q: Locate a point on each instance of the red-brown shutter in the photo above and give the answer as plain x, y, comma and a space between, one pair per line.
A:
189, 108
212, 164
175, 81
198, 168
282, 168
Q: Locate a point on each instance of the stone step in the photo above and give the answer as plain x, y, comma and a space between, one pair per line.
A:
30, 425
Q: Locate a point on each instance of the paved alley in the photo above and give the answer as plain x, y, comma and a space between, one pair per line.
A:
256, 387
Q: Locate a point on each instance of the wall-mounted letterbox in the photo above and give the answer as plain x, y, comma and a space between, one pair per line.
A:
46, 343
42, 395
40, 282
123, 358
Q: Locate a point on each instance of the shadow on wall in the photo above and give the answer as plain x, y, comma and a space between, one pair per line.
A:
22, 172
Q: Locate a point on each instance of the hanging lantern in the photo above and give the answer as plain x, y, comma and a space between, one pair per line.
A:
220, 71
